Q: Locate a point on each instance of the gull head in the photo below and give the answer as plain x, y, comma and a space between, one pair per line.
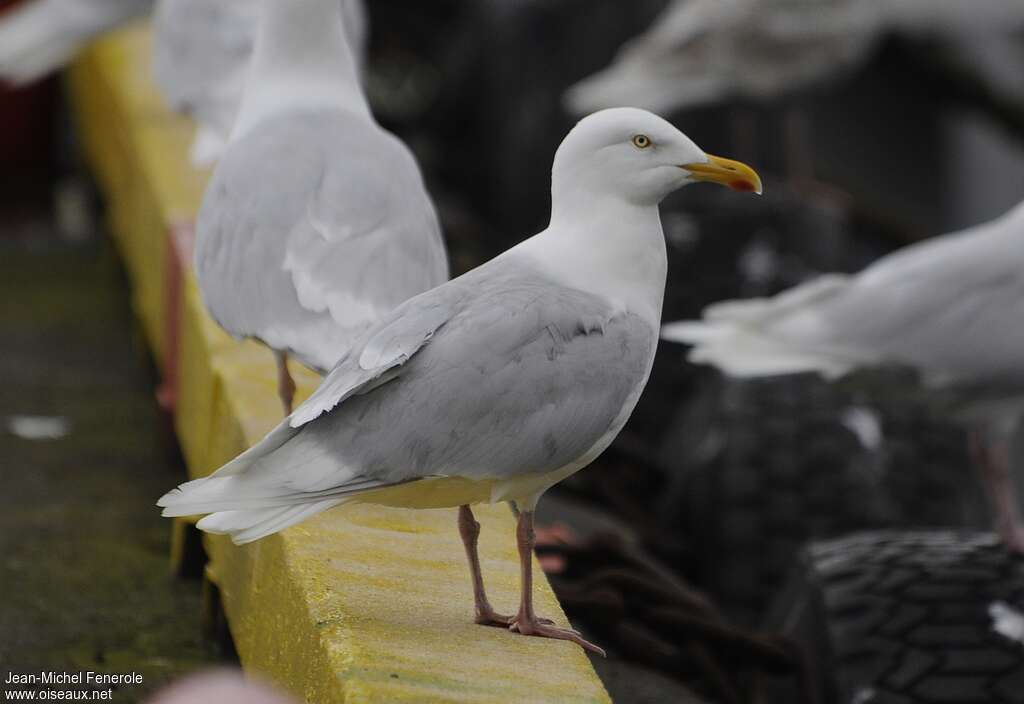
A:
638, 156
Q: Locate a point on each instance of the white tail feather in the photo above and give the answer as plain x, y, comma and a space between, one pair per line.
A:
690, 332
256, 494
247, 526
215, 494
761, 311
744, 353
736, 336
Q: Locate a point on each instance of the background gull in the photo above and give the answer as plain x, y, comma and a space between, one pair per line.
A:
316, 221
699, 52
499, 383
201, 52
40, 36
703, 51
948, 307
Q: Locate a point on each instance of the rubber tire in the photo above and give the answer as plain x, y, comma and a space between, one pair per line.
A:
775, 469
903, 618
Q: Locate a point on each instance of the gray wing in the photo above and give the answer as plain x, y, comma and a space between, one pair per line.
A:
369, 237
496, 374
312, 228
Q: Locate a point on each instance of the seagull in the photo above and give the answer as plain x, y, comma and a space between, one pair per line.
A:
495, 385
201, 52
40, 36
947, 307
316, 221
703, 52
700, 52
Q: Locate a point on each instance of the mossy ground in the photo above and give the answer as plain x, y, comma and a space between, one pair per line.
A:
84, 576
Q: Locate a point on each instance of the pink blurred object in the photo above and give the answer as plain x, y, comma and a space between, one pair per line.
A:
220, 687
555, 534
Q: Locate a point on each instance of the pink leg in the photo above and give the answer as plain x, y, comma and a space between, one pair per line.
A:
993, 461
469, 529
526, 621
285, 384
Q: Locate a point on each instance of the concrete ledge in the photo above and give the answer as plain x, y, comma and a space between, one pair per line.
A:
361, 603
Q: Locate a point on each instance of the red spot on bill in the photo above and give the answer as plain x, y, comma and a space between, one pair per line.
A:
740, 185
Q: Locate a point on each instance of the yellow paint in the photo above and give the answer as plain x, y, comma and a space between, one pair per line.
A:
363, 603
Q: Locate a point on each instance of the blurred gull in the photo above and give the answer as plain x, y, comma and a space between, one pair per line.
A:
498, 384
948, 307
699, 52
705, 51
316, 221
201, 53
39, 36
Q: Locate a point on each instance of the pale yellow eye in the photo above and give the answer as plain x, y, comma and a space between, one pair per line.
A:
641, 141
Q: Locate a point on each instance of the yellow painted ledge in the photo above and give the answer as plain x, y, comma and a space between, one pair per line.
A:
359, 604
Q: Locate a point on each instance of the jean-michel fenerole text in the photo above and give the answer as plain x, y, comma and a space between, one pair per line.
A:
87, 677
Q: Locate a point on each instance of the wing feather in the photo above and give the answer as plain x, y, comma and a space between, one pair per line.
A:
497, 374
311, 230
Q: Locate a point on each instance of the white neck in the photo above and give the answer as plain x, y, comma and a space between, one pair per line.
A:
301, 61
613, 249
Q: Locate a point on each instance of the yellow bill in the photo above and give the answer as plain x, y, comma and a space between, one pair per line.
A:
726, 172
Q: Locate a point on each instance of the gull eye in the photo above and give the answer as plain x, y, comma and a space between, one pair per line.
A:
641, 141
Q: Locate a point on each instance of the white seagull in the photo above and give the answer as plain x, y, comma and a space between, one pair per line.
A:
498, 384
316, 222
201, 54
948, 307
40, 36
701, 52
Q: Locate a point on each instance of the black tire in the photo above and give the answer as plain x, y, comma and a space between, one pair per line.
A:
903, 618
786, 471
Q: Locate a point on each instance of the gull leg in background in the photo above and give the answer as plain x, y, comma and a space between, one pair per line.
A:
469, 529
526, 621
991, 453
285, 383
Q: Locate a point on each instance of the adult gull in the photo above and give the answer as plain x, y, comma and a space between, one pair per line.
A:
316, 221
701, 52
498, 384
948, 307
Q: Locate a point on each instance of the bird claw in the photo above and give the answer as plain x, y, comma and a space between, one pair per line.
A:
545, 628
492, 618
